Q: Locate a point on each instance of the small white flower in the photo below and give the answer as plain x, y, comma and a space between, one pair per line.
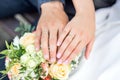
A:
33, 74
30, 49
24, 58
32, 63
16, 41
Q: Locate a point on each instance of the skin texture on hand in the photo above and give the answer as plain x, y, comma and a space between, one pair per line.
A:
51, 23
78, 34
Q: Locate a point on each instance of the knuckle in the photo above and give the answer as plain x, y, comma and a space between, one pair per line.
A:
37, 41
76, 51
67, 41
67, 53
65, 31
44, 38
44, 49
52, 39
43, 46
71, 47
52, 49
63, 47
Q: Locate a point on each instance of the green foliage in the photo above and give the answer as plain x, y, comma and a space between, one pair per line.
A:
12, 52
3, 76
73, 62
23, 28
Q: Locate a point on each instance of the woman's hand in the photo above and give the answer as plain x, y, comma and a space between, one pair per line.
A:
78, 34
52, 21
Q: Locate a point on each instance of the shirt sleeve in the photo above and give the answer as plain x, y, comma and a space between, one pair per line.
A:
40, 2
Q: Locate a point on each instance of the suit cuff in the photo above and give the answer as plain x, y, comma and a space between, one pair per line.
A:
40, 2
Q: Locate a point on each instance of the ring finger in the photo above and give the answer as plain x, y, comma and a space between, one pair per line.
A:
44, 43
65, 44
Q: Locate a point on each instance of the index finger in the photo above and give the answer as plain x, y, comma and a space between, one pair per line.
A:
37, 38
63, 35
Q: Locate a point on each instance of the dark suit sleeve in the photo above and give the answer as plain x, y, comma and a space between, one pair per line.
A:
40, 2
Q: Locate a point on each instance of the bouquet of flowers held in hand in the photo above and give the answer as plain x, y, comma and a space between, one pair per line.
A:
24, 63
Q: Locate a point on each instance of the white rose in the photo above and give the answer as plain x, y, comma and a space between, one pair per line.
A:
27, 39
30, 49
59, 71
32, 63
24, 58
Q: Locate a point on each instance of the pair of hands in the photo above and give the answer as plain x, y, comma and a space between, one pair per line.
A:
62, 40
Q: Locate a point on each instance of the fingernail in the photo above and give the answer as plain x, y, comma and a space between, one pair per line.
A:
66, 62
46, 56
52, 60
58, 43
37, 49
60, 62
58, 55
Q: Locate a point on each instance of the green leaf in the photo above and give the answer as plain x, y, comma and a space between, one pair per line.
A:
17, 29
3, 72
7, 45
73, 62
2, 57
11, 46
5, 52
23, 28
3, 76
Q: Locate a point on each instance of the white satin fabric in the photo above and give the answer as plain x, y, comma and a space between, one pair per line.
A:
104, 60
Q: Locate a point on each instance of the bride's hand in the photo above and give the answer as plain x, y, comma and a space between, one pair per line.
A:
78, 34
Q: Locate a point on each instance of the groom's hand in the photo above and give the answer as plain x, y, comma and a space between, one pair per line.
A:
53, 19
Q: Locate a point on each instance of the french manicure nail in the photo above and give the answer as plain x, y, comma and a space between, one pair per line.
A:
58, 43
52, 60
58, 55
46, 56
37, 49
60, 62
66, 62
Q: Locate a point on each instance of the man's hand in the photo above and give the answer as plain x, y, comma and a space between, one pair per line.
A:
52, 21
78, 34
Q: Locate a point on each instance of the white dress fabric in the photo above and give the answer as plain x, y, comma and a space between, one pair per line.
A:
104, 60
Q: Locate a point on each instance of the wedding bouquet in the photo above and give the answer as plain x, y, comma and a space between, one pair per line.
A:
24, 63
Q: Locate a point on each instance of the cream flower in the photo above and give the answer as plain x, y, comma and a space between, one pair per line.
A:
27, 39
15, 69
59, 71
30, 49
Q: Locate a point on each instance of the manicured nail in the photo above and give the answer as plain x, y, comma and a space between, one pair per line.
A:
60, 62
37, 49
58, 43
52, 60
46, 56
66, 62
58, 55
